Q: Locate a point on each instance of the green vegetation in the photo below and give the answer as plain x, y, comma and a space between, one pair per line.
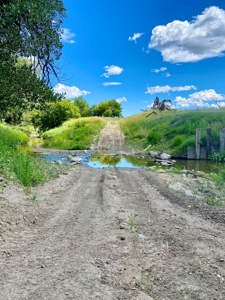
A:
218, 156
74, 134
83, 106
148, 287
30, 43
144, 284
106, 159
213, 201
17, 166
54, 115
109, 108
32, 29
131, 222
153, 138
193, 269
171, 131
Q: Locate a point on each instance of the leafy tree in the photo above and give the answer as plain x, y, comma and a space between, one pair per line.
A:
25, 92
109, 108
92, 110
55, 114
32, 29
81, 103
28, 29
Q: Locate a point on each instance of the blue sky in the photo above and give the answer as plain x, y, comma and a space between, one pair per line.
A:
133, 51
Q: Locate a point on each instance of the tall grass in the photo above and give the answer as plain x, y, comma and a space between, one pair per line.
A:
175, 130
18, 166
74, 134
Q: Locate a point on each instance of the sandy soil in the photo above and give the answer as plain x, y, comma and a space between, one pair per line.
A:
70, 239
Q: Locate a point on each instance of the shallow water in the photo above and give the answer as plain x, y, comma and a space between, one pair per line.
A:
108, 160
199, 165
98, 160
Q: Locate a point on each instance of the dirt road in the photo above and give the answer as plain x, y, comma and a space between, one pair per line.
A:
111, 137
71, 243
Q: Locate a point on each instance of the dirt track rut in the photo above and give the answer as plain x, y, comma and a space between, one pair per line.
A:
67, 245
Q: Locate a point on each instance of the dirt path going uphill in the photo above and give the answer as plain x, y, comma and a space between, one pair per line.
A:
111, 138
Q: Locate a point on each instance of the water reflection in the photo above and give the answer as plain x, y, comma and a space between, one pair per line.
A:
99, 160
199, 165
105, 160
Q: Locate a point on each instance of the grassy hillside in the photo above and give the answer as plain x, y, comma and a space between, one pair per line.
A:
171, 131
18, 166
74, 134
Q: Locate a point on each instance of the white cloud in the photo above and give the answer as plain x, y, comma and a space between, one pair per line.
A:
146, 51
121, 99
200, 99
221, 104
67, 36
163, 69
167, 74
167, 88
111, 83
183, 41
112, 70
70, 91
135, 36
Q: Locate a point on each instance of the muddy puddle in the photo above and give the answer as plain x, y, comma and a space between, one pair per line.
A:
112, 160
98, 160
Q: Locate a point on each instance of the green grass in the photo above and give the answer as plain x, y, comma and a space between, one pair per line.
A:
131, 222
74, 134
171, 131
18, 166
193, 269
212, 201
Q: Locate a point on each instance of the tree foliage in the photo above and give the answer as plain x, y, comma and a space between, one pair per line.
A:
81, 103
109, 108
21, 90
32, 29
55, 114
29, 45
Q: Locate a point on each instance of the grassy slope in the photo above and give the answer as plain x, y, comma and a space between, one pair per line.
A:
171, 131
18, 166
74, 134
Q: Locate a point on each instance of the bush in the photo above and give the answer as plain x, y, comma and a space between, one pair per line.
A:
109, 108
55, 114
218, 156
153, 138
178, 140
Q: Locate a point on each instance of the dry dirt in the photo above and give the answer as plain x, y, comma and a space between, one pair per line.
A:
111, 137
71, 242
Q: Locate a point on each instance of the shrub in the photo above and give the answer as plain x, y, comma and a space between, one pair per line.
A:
178, 140
55, 114
153, 138
218, 156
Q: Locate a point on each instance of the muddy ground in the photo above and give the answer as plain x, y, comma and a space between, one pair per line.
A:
71, 239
